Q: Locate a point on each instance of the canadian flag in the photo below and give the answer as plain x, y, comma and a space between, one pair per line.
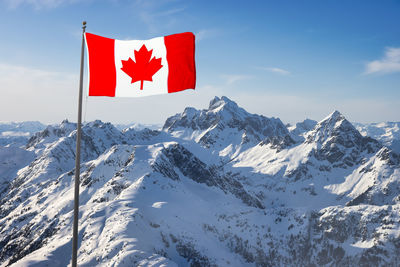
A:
140, 67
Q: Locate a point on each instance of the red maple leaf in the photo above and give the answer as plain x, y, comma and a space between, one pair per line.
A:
144, 68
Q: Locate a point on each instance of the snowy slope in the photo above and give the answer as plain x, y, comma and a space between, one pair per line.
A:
214, 187
328, 168
12, 159
16, 134
303, 127
386, 132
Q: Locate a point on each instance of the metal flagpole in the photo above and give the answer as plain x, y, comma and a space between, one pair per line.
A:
78, 156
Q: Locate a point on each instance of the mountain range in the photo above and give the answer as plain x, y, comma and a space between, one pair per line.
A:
212, 187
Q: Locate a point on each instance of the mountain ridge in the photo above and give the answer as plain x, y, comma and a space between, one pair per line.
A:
213, 187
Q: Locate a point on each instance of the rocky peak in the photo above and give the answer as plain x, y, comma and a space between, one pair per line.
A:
222, 115
177, 156
333, 126
339, 141
97, 129
333, 120
99, 124
51, 133
189, 113
335, 115
218, 104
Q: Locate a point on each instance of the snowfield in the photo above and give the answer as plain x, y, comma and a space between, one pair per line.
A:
212, 187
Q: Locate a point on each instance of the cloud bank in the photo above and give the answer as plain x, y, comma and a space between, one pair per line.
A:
37, 4
275, 70
388, 64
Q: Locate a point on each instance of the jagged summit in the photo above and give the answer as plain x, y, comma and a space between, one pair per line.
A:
334, 125
50, 134
332, 119
217, 103
339, 141
220, 111
225, 124
334, 115
98, 124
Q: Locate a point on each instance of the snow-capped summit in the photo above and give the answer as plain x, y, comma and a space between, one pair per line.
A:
227, 127
339, 141
50, 134
333, 125
220, 111
137, 126
336, 128
218, 103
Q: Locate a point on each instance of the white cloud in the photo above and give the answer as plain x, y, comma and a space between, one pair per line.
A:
157, 20
170, 12
275, 70
37, 4
205, 34
233, 78
158, 14
388, 64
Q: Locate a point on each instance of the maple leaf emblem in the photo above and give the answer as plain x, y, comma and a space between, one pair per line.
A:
144, 68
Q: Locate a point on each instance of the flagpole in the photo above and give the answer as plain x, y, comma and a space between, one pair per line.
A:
78, 156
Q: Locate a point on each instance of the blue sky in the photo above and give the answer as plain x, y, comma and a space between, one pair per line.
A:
287, 59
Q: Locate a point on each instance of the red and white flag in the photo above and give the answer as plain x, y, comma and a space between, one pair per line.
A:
140, 67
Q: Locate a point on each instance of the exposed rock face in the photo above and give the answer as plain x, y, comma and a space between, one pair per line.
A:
193, 168
214, 187
226, 126
50, 134
340, 143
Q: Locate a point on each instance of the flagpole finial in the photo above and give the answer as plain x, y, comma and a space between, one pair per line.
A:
84, 24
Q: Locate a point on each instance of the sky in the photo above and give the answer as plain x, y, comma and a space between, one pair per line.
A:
288, 59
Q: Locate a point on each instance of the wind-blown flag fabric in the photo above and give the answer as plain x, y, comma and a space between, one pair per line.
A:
138, 68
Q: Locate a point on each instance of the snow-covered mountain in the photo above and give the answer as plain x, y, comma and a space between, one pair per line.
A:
137, 126
302, 127
16, 134
227, 129
214, 187
25, 126
386, 132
